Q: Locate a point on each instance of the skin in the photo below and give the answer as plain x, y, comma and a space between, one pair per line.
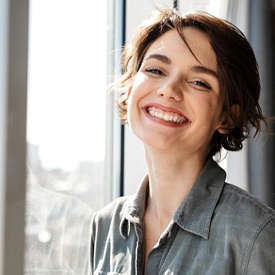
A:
172, 82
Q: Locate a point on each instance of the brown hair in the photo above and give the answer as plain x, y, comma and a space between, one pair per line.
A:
237, 70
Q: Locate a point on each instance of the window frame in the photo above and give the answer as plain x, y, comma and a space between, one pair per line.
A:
13, 93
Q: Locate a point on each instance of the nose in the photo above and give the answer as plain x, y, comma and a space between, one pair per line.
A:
171, 90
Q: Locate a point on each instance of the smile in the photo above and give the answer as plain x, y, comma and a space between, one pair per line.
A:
166, 116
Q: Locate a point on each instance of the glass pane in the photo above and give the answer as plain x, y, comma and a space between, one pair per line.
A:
65, 132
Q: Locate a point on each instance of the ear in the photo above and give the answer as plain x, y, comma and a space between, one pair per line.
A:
227, 123
224, 126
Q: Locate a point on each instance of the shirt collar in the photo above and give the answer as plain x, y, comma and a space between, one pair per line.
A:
135, 208
195, 212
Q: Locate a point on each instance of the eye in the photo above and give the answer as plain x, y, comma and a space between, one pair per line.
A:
154, 71
201, 84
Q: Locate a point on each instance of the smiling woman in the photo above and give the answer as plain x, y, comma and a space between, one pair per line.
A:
189, 87
71, 171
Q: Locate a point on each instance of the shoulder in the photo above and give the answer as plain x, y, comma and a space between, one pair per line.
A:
107, 226
253, 218
251, 224
113, 211
246, 204
244, 214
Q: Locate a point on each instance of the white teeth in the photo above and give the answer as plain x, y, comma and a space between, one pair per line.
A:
175, 119
151, 112
165, 117
160, 115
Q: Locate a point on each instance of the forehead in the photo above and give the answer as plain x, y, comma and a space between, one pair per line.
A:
172, 44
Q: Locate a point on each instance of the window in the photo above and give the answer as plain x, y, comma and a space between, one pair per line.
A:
65, 132
67, 96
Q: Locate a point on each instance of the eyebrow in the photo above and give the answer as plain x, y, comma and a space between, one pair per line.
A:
196, 69
160, 57
204, 70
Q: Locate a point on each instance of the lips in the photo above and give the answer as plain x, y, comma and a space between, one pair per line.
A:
166, 114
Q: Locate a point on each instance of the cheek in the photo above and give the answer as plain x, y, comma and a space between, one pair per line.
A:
140, 78
132, 110
203, 105
209, 108
135, 94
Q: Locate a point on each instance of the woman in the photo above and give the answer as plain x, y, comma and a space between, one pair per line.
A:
190, 87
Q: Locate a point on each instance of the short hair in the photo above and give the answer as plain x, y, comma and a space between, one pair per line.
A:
238, 73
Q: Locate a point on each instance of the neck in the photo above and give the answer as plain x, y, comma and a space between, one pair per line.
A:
171, 177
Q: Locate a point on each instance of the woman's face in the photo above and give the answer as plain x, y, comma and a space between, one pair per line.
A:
175, 103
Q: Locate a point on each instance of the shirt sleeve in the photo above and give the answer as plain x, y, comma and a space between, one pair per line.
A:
262, 257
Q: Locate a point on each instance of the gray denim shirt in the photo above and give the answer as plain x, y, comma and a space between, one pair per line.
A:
218, 229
